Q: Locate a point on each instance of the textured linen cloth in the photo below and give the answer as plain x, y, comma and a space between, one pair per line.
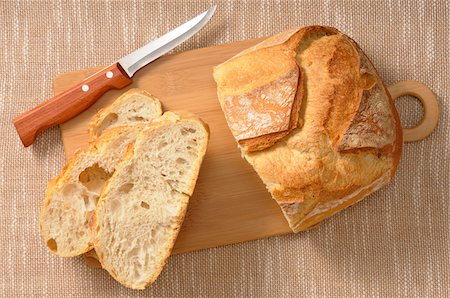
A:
395, 243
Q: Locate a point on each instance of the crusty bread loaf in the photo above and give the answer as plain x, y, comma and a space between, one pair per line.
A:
134, 107
347, 138
72, 196
143, 204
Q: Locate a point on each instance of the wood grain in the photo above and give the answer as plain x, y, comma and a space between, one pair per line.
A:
230, 203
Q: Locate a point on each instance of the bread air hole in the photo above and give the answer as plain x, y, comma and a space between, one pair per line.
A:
185, 131
69, 190
51, 243
134, 252
109, 120
136, 119
86, 200
145, 205
172, 184
126, 187
93, 178
162, 145
115, 205
180, 161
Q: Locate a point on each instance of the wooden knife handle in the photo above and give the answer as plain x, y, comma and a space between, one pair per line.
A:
70, 103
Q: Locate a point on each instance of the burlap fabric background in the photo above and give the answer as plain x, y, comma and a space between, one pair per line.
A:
393, 244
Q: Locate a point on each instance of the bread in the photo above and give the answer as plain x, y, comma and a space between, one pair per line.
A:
143, 204
71, 197
134, 107
266, 72
346, 141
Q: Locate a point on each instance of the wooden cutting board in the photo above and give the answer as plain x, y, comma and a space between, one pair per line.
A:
230, 203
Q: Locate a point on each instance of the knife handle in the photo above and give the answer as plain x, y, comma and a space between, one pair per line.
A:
69, 103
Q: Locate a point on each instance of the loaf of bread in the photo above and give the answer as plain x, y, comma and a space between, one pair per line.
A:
143, 204
70, 198
312, 116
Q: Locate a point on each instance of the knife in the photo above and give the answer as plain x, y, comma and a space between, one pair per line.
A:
77, 99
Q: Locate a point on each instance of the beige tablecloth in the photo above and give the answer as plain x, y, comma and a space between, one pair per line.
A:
393, 244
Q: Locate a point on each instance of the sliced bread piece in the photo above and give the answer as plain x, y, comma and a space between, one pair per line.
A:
70, 198
134, 107
143, 204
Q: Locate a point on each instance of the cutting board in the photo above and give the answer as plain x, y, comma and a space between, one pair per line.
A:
230, 203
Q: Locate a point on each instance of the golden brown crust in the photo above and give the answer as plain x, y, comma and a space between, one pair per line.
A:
371, 124
317, 215
348, 141
264, 141
261, 104
396, 146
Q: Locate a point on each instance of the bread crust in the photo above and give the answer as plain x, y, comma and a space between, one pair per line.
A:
348, 140
261, 105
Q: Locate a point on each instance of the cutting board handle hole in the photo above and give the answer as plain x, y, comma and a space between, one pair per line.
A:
430, 109
410, 109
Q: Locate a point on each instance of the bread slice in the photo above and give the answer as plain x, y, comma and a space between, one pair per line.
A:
72, 196
143, 204
134, 107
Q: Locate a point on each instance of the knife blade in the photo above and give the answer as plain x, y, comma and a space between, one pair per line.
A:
80, 97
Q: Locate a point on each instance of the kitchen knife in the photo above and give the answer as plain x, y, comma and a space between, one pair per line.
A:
77, 99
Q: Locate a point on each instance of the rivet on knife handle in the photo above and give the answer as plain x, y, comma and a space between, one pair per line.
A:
70, 103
